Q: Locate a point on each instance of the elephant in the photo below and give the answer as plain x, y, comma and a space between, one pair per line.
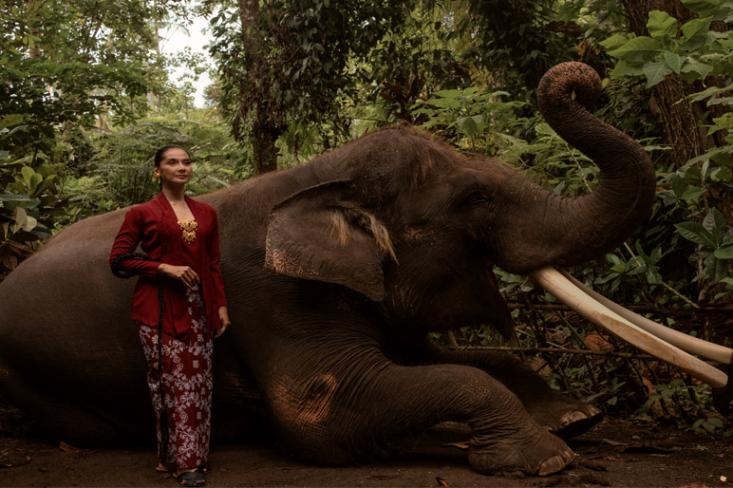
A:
335, 273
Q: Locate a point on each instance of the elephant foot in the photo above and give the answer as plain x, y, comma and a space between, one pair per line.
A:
565, 417
536, 452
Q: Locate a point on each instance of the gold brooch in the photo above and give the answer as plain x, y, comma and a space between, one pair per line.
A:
188, 230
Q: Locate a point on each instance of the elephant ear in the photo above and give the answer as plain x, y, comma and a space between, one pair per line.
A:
322, 233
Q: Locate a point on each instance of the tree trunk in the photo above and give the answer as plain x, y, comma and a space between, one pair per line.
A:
267, 126
682, 120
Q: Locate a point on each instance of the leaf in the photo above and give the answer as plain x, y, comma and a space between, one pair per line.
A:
692, 195
35, 182
719, 268
441, 482
68, 447
623, 68
714, 222
614, 42
653, 277
709, 92
678, 185
597, 343
720, 101
724, 253
673, 61
698, 67
27, 173
661, 24
696, 32
695, 232
30, 223
724, 122
703, 7
468, 126
721, 175
14, 197
444, 102
637, 50
655, 73
20, 217
449, 93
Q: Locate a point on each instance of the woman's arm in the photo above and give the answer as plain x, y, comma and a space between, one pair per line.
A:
122, 261
215, 265
215, 270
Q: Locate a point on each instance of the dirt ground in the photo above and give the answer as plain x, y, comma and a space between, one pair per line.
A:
614, 453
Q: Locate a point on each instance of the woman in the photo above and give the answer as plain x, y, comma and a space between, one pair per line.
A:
179, 296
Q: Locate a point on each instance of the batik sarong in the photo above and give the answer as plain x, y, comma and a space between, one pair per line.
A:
187, 385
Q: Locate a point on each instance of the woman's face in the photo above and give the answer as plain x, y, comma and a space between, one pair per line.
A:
175, 168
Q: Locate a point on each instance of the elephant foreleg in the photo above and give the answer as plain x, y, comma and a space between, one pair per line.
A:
341, 413
562, 415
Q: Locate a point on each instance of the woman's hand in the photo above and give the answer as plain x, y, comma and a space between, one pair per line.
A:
224, 321
182, 273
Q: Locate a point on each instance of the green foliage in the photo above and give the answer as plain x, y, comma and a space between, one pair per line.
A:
693, 193
29, 201
696, 193
120, 171
684, 404
299, 59
415, 58
691, 51
518, 40
66, 62
472, 119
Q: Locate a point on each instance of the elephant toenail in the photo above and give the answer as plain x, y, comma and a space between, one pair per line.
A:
572, 417
552, 465
569, 456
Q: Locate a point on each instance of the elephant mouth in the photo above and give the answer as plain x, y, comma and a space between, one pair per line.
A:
669, 345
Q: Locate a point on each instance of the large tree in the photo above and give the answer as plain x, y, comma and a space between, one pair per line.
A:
682, 120
284, 61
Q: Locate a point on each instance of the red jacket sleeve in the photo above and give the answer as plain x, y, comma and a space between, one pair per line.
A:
215, 265
121, 258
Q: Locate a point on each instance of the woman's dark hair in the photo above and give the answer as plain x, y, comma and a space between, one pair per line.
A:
161, 152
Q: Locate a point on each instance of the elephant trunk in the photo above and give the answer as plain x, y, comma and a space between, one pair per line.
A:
566, 231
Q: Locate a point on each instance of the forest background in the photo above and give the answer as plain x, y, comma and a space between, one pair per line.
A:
85, 99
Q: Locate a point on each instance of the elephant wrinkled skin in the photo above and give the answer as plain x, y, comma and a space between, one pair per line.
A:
335, 271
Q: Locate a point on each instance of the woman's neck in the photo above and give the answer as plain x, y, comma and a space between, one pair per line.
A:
174, 194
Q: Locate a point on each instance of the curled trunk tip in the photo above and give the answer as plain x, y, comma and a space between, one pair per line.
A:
567, 81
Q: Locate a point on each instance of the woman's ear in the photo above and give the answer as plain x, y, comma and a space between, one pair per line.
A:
321, 233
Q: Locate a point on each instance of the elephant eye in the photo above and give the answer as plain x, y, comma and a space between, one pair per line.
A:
474, 198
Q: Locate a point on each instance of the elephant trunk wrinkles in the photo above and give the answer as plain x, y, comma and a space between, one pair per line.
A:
568, 231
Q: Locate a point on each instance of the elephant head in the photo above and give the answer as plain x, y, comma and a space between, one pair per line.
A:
410, 223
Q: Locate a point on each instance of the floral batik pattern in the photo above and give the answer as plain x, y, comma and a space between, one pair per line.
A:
186, 388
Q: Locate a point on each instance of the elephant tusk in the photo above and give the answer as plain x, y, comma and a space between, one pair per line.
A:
706, 349
568, 293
